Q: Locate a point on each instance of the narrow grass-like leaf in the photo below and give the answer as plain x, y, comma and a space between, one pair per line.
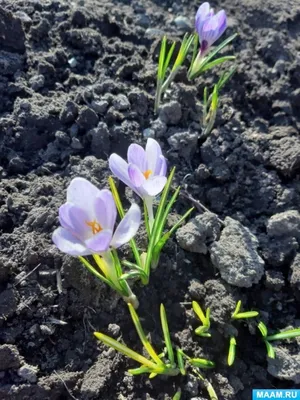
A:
218, 61
211, 391
246, 314
177, 395
292, 333
146, 219
168, 59
237, 308
198, 311
270, 349
140, 370
127, 351
221, 46
153, 375
131, 275
156, 225
231, 351
166, 332
195, 51
202, 363
121, 212
263, 329
180, 361
184, 48
225, 77
118, 269
143, 337
161, 59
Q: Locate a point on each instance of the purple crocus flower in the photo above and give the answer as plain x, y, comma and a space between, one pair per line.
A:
145, 171
209, 26
88, 218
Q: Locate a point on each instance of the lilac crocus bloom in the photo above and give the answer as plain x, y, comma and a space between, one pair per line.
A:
209, 26
88, 218
145, 171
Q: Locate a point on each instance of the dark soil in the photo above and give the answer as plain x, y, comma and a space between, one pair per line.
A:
77, 82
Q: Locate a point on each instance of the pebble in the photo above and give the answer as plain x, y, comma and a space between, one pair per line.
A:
75, 144
170, 113
114, 329
121, 102
37, 82
28, 373
183, 23
87, 118
153, 33
100, 106
148, 133
72, 62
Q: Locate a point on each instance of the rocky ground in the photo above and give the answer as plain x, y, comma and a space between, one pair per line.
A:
77, 81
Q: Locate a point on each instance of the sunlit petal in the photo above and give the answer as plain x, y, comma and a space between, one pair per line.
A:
68, 243
128, 227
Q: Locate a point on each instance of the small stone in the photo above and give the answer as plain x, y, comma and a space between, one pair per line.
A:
62, 138
37, 82
100, 144
87, 118
159, 127
100, 106
75, 144
72, 62
121, 102
10, 357
183, 23
114, 329
274, 280
69, 112
284, 224
28, 373
236, 256
23, 17
170, 113
153, 33
143, 20
148, 133
285, 366
295, 276
47, 330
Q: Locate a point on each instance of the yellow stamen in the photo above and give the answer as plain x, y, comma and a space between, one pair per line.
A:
96, 227
147, 173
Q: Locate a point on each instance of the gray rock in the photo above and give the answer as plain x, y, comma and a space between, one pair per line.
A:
148, 133
37, 82
28, 373
69, 113
171, 112
285, 366
153, 33
121, 102
183, 23
285, 154
159, 127
197, 234
10, 357
284, 224
274, 280
8, 303
76, 144
185, 143
87, 118
100, 144
143, 20
235, 255
100, 106
277, 251
295, 276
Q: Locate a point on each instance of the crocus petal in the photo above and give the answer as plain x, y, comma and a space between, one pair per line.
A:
137, 155
211, 28
153, 152
82, 193
128, 227
105, 210
135, 175
154, 185
161, 168
99, 242
119, 168
68, 243
202, 13
74, 218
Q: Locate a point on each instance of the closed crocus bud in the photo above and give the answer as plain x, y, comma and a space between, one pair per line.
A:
209, 26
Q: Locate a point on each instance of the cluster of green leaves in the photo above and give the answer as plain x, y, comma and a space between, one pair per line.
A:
157, 238
169, 362
291, 333
198, 65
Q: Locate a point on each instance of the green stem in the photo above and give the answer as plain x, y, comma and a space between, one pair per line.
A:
149, 205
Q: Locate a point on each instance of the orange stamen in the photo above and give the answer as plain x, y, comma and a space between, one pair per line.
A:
96, 227
147, 173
